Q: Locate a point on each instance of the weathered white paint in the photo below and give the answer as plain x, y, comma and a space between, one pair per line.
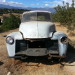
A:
11, 48
62, 48
58, 35
36, 29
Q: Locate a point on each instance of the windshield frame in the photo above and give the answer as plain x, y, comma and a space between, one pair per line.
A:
46, 16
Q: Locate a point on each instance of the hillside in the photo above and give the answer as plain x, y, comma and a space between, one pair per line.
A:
2, 6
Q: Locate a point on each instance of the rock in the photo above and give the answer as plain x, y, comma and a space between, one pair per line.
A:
9, 73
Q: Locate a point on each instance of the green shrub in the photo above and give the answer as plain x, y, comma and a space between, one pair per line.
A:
65, 15
10, 22
1, 29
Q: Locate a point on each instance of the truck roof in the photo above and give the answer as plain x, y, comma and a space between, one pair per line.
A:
36, 11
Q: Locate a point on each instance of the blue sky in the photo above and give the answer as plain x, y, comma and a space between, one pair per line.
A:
34, 3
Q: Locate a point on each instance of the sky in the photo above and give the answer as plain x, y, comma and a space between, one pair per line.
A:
34, 3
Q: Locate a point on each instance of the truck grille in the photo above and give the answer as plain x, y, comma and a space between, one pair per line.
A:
22, 45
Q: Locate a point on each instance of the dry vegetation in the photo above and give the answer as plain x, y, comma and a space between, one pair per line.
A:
70, 34
40, 66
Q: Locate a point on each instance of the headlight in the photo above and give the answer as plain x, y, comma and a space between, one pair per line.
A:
9, 40
64, 39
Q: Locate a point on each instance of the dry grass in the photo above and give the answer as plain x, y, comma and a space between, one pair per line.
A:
70, 35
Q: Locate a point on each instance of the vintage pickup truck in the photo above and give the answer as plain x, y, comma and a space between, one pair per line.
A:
37, 36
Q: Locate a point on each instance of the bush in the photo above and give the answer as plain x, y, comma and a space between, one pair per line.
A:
65, 15
11, 22
1, 29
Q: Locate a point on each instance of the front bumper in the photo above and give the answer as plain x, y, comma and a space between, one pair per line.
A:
37, 52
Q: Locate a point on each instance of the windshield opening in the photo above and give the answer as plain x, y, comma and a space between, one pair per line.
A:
36, 16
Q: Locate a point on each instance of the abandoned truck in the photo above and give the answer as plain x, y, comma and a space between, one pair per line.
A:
37, 36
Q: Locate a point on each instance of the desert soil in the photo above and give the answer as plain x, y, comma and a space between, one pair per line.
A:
37, 66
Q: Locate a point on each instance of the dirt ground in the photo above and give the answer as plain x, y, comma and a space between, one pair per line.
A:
37, 66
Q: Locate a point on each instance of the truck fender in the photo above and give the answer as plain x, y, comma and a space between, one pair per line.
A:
61, 46
11, 47
58, 35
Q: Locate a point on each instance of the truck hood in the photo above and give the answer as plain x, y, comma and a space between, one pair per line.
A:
36, 29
